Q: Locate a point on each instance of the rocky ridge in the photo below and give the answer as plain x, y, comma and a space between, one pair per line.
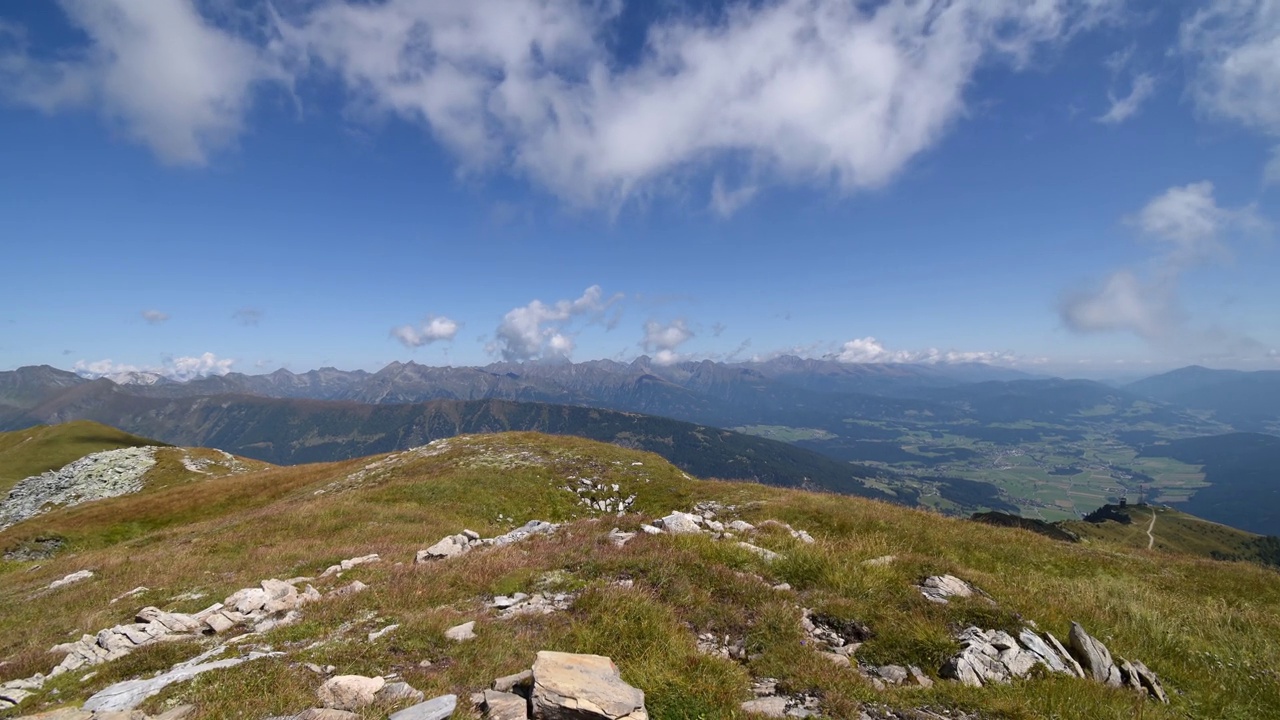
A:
105, 474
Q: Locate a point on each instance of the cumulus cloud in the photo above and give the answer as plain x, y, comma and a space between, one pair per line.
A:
180, 369
541, 330
663, 340
803, 91
1126, 106
434, 328
1188, 229
870, 350
247, 316
159, 71
154, 317
1236, 46
825, 92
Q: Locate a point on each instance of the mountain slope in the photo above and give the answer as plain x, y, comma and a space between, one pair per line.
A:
1175, 531
644, 603
1245, 400
24, 453
284, 431
1243, 472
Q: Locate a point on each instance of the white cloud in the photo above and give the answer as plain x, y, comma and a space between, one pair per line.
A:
1123, 302
166, 76
435, 328
1190, 220
541, 330
663, 340
824, 92
870, 350
154, 317
1236, 44
1189, 228
180, 369
1123, 108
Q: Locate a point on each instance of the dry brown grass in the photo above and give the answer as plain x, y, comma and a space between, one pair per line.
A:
1210, 629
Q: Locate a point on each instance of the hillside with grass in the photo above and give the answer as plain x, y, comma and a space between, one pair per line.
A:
1164, 528
28, 452
1210, 630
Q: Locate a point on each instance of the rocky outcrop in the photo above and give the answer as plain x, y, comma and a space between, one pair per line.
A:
769, 701
994, 656
130, 693
601, 496
1098, 664
467, 540
1093, 656
106, 474
939, 588
349, 563
568, 686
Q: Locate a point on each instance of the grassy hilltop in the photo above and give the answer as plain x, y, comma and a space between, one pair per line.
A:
1210, 629
24, 453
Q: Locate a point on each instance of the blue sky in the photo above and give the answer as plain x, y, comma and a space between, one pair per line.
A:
1083, 187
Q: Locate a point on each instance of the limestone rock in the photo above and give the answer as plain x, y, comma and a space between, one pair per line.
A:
774, 706
399, 692
938, 588
1150, 682
440, 708
447, 547
1046, 654
568, 686
681, 523
1072, 665
741, 526
458, 633
349, 692
74, 577
129, 694
765, 553
1093, 656
504, 706
325, 714
514, 683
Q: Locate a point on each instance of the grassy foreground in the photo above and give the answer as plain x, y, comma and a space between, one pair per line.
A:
1210, 629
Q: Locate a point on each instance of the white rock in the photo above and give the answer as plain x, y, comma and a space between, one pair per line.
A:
349, 692
459, 633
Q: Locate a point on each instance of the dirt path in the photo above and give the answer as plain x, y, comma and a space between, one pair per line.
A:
1151, 539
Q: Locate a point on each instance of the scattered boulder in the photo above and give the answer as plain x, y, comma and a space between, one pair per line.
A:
74, 577
568, 686
539, 603
722, 646
399, 692
680, 523
350, 563
765, 553
440, 708
350, 692
938, 588
325, 714
499, 705
769, 702
459, 633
